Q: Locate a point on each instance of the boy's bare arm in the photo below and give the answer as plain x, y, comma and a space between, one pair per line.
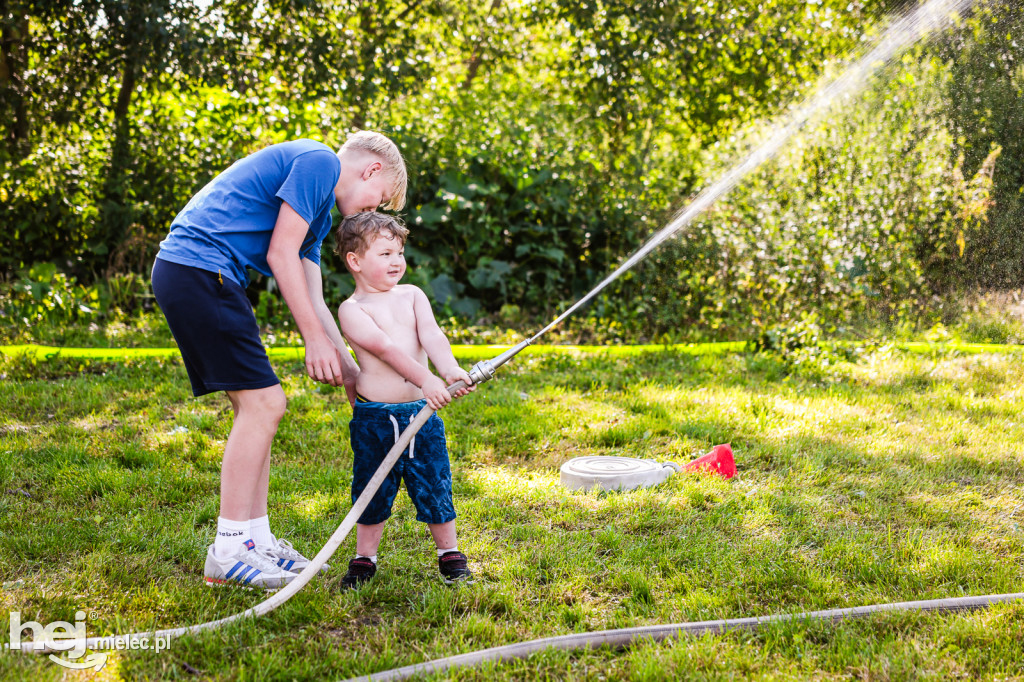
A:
323, 362
362, 330
435, 343
315, 286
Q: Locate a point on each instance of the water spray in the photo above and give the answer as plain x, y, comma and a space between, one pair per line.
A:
934, 14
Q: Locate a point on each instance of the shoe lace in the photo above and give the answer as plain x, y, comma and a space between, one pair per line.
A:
261, 559
285, 550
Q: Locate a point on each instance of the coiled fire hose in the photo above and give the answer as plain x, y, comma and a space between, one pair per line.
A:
481, 372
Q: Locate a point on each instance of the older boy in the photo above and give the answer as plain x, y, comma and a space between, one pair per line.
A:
393, 332
270, 212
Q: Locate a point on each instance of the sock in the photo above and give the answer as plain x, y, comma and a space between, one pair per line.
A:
230, 536
442, 552
259, 530
371, 558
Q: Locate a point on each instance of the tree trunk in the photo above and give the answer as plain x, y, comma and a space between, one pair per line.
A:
12, 61
124, 96
116, 215
477, 57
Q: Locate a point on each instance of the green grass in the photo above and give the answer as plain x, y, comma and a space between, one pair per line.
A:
900, 477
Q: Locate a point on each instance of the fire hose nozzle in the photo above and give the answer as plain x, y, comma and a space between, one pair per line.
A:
481, 372
484, 370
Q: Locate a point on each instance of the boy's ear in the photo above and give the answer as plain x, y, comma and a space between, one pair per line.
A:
353, 261
372, 169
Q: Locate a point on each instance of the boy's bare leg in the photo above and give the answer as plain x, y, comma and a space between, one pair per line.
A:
263, 492
245, 469
362, 569
259, 502
444, 534
450, 562
368, 538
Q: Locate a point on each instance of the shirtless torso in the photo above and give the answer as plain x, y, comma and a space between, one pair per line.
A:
393, 313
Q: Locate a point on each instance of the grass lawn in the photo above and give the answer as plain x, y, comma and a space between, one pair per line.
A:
895, 478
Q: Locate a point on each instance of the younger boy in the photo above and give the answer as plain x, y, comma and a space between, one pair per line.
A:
392, 330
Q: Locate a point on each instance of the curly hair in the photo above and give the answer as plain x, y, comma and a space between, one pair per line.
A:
357, 231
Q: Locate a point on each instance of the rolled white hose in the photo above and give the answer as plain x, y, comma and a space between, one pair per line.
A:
614, 473
625, 637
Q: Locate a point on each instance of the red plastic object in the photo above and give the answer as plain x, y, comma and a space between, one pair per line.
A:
719, 461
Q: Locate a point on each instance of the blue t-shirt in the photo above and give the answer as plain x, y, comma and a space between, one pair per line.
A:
227, 226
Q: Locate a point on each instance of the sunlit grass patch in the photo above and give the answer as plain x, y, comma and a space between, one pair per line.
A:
900, 477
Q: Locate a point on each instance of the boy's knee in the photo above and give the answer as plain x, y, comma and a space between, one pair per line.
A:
269, 404
275, 404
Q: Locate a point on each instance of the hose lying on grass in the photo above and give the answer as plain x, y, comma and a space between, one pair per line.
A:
481, 372
612, 638
623, 638
283, 595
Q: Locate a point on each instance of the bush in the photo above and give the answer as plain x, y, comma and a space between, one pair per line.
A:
866, 218
42, 295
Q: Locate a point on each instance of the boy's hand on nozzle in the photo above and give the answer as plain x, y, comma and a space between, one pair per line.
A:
436, 392
459, 374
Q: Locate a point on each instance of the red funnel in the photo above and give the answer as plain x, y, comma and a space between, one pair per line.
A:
719, 461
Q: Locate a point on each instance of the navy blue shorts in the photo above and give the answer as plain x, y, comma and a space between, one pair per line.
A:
374, 430
215, 328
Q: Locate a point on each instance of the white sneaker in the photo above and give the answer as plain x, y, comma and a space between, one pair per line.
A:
288, 557
251, 566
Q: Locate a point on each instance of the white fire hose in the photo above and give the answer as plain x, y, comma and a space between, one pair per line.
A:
481, 372
619, 639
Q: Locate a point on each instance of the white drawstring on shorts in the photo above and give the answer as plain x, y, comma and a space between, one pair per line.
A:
412, 442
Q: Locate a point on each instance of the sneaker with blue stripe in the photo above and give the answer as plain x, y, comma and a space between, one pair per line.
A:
288, 557
251, 566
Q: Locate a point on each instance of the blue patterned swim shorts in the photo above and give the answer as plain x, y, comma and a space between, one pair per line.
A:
374, 430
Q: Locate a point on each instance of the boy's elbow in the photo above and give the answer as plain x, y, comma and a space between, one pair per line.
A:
278, 257
440, 342
274, 259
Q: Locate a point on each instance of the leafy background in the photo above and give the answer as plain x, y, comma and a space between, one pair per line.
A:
546, 141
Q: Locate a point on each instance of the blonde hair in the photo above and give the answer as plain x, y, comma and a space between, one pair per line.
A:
357, 231
387, 151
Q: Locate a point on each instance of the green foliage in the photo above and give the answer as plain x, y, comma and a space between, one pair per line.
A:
994, 318
992, 329
43, 296
42, 304
803, 346
546, 141
499, 234
47, 203
984, 103
867, 218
